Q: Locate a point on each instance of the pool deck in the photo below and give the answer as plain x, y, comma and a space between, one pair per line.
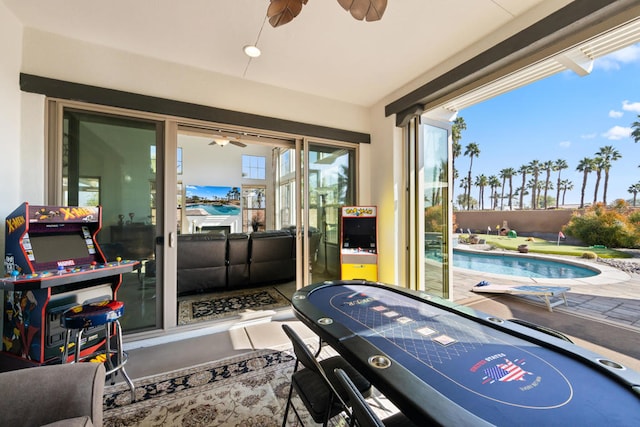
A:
612, 296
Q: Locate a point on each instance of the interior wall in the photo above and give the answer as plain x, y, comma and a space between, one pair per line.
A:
50, 55
386, 191
10, 112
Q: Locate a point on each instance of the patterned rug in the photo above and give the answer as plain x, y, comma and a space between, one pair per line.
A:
249, 390
213, 306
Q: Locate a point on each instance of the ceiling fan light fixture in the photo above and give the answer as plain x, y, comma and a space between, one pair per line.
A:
252, 51
221, 141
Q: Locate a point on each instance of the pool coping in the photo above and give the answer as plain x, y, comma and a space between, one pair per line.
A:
607, 274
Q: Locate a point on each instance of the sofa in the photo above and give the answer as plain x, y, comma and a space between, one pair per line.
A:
56, 395
202, 262
216, 261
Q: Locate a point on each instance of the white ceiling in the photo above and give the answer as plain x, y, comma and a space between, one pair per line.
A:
324, 51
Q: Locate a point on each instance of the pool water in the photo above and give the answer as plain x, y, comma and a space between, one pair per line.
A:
218, 209
520, 266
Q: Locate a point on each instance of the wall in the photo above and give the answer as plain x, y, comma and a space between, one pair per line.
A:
50, 55
527, 221
10, 110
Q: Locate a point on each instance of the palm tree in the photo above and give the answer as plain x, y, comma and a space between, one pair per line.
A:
456, 149
505, 174
535, 186
565, 184
494, 183
547, 167
597, 167
534, 169
634, 189
586, 166
524, 170
636, 130
472, 151
558, 166
608, 155
464, 183
481, 182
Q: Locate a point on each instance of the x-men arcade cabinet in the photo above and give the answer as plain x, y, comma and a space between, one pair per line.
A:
359, 243
52, 262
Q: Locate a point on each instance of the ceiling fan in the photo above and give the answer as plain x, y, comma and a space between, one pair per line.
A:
224, 139
281, 12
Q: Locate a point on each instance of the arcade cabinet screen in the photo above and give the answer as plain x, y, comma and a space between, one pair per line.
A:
359, 233
58, 247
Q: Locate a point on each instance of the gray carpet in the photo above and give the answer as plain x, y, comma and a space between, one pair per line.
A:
599, 336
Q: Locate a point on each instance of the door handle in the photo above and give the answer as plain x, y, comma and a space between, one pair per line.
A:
172, 239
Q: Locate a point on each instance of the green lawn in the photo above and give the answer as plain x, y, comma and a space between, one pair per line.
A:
545, 246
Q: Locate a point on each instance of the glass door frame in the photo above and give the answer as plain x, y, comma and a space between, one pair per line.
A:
414, 163
54, 190
166, 318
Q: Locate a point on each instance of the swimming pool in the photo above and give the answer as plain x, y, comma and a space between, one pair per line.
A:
218, 209
520, 266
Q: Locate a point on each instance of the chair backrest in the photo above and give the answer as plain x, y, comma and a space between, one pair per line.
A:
360, 410
302, 352
304, 356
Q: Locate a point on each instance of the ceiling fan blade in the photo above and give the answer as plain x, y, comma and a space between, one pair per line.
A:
237, 143
370, 10
281, 12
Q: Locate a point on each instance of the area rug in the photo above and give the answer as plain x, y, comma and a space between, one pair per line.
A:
248, 390
214, 306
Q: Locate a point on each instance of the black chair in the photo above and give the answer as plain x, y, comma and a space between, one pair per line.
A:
361, 413
314, 383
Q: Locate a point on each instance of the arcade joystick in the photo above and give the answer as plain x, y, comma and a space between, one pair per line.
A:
15, 274
60, 270
118, 259
93, 265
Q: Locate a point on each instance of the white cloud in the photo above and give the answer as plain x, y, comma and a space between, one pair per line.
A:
615, 114
565, 144
617, 133
631, 106
623, 56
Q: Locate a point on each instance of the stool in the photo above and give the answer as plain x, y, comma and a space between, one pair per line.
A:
106, 314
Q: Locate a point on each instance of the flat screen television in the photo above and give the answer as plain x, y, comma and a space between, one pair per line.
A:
359, 232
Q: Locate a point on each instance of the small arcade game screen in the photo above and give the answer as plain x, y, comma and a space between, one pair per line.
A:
359, 232
54, 247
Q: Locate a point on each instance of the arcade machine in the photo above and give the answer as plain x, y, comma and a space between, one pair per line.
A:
359, 243
52, 262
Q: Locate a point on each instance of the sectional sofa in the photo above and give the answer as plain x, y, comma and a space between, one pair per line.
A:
217, 262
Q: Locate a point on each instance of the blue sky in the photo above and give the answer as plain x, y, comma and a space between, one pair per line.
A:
207, 192
564, 116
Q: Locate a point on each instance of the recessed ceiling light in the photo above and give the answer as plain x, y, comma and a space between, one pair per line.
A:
252, 51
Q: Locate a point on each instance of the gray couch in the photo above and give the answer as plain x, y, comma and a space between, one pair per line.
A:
57, 395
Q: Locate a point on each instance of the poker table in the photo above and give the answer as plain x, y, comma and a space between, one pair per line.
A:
450, 365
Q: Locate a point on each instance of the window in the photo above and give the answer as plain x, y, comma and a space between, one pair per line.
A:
254, 212
253, 167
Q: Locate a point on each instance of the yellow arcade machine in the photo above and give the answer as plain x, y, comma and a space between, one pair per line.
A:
359, 243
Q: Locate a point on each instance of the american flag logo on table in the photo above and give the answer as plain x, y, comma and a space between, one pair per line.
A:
505, 372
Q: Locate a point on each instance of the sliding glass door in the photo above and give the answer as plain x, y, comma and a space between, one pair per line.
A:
115, 162
162, 181
331, 185
430, 206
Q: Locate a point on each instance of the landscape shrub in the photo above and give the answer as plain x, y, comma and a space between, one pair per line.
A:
589, 255
614, 227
